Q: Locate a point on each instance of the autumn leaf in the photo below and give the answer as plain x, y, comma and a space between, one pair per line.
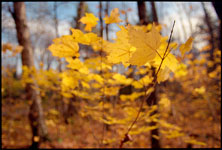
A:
64, 46
170, 61
90, 20
114, 17
122, 79
86, 39
146, 45
121, 50
6, 46
186, 47
17, 50
76, 64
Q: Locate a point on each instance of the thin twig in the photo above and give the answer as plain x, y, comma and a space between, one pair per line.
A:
165, 50
147, 96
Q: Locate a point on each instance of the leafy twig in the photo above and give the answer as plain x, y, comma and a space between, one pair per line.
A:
126, 138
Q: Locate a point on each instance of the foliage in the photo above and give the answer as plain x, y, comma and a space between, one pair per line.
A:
97, 87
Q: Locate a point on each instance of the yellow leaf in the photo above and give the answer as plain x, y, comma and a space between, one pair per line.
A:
122, 79
121, 50
53, 112
6, 46
200, 90
36, 138
163, 74
137, 84
85, 85
87, 39
114, 17
186, 47
90, 20
181, 70
110, 91
74, 63
64, 46
50, 123
131, 97
146, 45
195, 142
165, 102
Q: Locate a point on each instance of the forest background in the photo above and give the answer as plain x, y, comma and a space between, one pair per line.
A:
96, 99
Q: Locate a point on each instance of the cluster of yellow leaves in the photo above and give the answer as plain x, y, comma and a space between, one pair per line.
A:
142, 46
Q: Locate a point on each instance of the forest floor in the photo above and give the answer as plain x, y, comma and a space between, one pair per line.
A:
86, 133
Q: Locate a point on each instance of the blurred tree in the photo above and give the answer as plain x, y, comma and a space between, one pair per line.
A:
154, 13
142, 12
36, 117
107, 13
213, 37
70, 109
100, 18
80, 13
55, 8
218, 9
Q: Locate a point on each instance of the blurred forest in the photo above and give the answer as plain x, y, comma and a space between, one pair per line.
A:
111, 74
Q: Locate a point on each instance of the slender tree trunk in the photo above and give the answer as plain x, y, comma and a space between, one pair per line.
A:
70, 109
126, 16
80, 14
142, 12
55, 7
100, 18
218, 8
152, 100
36, 117
212, 39
155, 17
107, 29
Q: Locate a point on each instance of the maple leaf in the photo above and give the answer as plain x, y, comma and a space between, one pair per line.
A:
146, 45
64, 46
114, 17
121, 50
90, 20
186, 47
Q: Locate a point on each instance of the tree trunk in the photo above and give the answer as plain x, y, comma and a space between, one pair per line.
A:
36, 117
70, 109
80, 14
100, 18
218, 9
152, 99
212, 38
55, 7
154, 13
107, 29
142, 12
